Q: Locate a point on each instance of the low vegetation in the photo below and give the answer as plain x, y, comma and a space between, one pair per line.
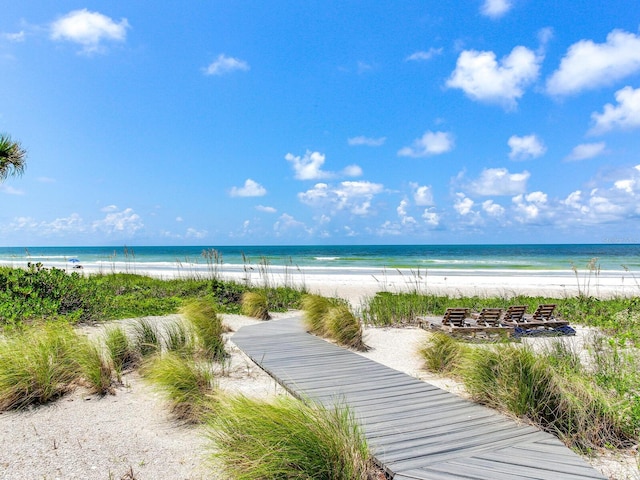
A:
188, 384
551, 388
618, 317
44, 362
332, 318
256, 304
286, 438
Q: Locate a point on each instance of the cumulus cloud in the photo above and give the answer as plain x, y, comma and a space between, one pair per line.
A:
529, 207
422, 56
89, 29
251, 188
463, 204
309, 167
586, 150
266, 209
485, 79
431, 143
366, 141
495, 8
287, 223
590, 65
223, 65
523, 148
126, 222
493, 209
498, 181
624, 115
431, 217
405, 218
422, 195
352, 196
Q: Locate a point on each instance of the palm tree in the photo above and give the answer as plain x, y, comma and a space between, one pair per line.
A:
12, 157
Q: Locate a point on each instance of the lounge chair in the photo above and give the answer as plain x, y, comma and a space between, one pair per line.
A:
514, 314
489, 317
456, 317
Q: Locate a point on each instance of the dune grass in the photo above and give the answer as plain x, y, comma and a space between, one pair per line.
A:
256, 304
285, 439
121, 351
146, 337
332, 318
550, 388
188, 384
179, 338
202, 315
46, 361
344, 327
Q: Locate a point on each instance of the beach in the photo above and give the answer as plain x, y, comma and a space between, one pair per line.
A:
132, 434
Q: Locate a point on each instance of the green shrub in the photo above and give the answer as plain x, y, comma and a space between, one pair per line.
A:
37, 365
286, 438
189, 386
255, 304
208, 327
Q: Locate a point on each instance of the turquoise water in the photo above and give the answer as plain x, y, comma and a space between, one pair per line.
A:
608, 257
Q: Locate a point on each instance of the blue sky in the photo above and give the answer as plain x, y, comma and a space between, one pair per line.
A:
321, 122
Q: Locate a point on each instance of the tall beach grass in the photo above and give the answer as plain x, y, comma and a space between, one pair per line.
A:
286, 438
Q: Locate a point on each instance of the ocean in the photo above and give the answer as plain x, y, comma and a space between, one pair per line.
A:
486, 258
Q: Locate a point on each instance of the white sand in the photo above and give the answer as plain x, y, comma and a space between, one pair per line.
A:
85, 437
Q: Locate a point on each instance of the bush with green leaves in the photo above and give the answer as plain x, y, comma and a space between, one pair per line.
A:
38, 292
286, 438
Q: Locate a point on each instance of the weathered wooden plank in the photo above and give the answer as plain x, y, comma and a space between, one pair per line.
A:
416, 431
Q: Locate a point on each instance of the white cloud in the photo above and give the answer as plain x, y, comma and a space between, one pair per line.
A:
352, 171
9, 190
194, 233
266, 209
308, 167
495, 8
125, 221
366, 141
422, 55
422, 195
431, 217
405, 218
482, 78
463, 204
287, 222
431, 143
522, 148
625, 115
587, 150
590, 65
109, 208
250, 188
493, 209
88, 29
354, 197
223, 65
14, 37
498, 181
179, 219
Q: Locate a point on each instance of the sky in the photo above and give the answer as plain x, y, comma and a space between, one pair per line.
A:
321, 122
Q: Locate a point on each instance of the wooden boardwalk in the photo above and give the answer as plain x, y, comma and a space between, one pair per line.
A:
415, 430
